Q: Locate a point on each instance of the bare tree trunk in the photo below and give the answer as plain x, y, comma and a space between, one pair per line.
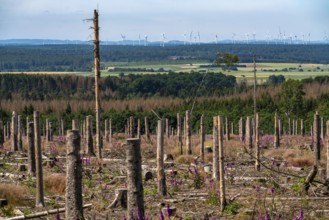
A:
31, 149
179, 133
146, 125
167, 127
8, 130
280, 128
289, 126
62, 127
14, 145
293, 127
39, 177
248, 133
322, 130
162, 189
135, 201
215, 149
73, 195
232, 128
276, 131
257, 163
316, 130
2, 135
188, 133
327, 154
19, 133
221, 164
138, 128
89, 136
75, 124
302, 128
202, 137
227, 133
99, 145
242, 130
106, 130
131, 126
296, 127
110, 132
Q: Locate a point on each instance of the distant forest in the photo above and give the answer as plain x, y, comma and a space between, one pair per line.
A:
65, 87
80, 57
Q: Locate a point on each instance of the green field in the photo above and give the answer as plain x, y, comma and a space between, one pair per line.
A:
264, 70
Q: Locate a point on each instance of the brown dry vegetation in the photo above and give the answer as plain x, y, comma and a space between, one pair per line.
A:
15, 194
55, 183
312, 90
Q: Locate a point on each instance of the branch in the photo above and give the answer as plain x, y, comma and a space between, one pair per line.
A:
277, 171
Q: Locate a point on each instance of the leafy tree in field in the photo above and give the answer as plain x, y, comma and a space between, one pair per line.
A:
226, 60
291, 97
275, 80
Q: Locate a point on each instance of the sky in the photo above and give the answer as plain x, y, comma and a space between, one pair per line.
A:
228, 19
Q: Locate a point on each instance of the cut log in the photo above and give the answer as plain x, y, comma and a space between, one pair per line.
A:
120, 199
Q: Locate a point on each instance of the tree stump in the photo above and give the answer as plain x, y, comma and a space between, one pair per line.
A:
120, 199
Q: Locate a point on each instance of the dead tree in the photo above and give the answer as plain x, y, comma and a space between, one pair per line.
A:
2, 135
221, 164
162, 189
227, 133
135, 200
31, 149
293, 127
75, 124
131, 126
232, 128
19, 133
146, 126
89, 136
73, 194
38, 160
106, 130
289, 126
8, 130
179, 133
62, 127
202, 137
276, 131
322, 130
242, 129
110, 132
138, 128
316, 135
14, 144
257, 163
302, 128
167, 128
215, 173
248, 133
97, 79
188, 133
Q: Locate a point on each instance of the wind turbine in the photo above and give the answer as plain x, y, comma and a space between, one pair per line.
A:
247, 37
199, 37
145, 42
233, 36
163, 40
216, 39
123, 39
191, 37
303, 38
139, 39
254, 36
184, 38
309, 37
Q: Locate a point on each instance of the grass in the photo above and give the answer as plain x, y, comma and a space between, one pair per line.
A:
55, 183
264, 70
15, 194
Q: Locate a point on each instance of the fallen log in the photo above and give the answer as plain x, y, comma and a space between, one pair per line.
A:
44, 213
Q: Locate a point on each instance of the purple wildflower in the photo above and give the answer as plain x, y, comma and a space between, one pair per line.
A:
124, 218
272, 190
301, 214
146, 217
257, 188
138, 215
161, 216
168, 210
266, 217
58, 217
